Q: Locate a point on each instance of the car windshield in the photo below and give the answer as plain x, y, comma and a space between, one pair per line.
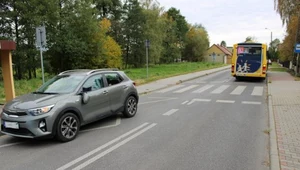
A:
61, 84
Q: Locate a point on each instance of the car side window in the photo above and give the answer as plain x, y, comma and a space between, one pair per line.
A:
113, 78
93, 83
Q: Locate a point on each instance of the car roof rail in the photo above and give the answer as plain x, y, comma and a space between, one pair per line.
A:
103, 69
70, 71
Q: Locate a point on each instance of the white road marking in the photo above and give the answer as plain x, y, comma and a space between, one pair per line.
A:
118, 122
199, 100
239, 90
220, 89
116, 146
248, 102
101, 147
156, 101
202, 89
257, 91
169, 113
225, 101
186, 89
170, 89
185, 102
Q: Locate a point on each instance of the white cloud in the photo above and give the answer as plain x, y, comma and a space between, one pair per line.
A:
233, 20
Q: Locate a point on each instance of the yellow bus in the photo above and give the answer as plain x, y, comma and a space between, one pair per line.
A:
249, 60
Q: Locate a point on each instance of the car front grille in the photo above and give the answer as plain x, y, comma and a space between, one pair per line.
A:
15, 113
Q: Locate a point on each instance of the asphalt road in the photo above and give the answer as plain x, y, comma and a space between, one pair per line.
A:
209, 123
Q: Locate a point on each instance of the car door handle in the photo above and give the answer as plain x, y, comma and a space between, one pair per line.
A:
105, 92
125, 86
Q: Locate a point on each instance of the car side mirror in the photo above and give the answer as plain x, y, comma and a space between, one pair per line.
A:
85, 98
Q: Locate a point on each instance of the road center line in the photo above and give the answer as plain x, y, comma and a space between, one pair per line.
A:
199, 100
156, 101
101, 147
100, 155
225, 101
169, 113
248, 102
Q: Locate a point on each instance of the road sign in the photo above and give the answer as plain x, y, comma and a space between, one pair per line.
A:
41, 43
40, 33
147, 43
297, 48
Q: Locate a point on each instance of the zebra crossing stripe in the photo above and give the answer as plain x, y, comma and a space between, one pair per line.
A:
239, 90
220, 89
170, 89
202, 89
186, 89
257, 91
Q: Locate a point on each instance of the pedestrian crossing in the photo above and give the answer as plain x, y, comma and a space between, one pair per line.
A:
214, 89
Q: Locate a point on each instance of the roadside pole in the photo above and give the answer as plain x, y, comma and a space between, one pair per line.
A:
147, 60
297, 50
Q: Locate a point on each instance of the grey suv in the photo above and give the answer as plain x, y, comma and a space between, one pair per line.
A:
69, 100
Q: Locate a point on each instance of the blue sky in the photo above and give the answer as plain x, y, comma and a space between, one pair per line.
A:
232, 20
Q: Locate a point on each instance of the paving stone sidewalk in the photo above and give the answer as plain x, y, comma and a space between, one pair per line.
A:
285, 95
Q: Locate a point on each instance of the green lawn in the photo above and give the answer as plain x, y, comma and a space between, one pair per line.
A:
138, 75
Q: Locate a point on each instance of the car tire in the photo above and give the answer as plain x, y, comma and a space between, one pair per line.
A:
67, 127
130, 107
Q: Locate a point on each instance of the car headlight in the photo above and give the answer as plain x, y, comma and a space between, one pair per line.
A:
41, 110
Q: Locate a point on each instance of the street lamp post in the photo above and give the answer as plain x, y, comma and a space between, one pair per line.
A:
271, 37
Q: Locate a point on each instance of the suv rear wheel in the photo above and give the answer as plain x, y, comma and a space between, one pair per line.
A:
130, 107
67, 127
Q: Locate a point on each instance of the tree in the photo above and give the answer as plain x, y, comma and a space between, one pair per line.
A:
196, 44
72, 44
223, 44
286, 50
171, 47
251, 39
273, 49
133, 33
154, 29
111, 53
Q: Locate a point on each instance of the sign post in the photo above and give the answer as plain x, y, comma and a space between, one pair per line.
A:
41, 43
297, 50
147, 61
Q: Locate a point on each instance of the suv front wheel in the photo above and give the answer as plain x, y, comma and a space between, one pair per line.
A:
67, 127
130, 107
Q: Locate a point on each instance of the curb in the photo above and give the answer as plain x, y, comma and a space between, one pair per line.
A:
185, 80
274, 154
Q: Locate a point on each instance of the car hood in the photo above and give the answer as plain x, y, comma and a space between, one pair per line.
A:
30, 101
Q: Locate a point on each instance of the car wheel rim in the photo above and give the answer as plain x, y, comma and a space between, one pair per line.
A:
69, 127
132, 106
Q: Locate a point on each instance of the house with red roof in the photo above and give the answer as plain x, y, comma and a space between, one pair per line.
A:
218, 54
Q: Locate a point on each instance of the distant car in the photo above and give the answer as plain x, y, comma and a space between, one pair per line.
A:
69, 100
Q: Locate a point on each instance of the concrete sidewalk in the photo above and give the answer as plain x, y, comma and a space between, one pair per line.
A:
284, 109
163, 83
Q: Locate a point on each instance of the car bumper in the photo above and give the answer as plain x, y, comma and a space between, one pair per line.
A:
27, 126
